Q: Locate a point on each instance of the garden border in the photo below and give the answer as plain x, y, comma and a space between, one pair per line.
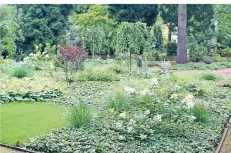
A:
224, 135
17, 148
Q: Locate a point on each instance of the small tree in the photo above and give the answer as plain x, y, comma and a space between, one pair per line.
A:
158, 35
132, 38
94, 27
72, 58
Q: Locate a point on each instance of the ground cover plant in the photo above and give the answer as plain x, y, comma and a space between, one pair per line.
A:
152, 113
210, 76
202, 66
20, 121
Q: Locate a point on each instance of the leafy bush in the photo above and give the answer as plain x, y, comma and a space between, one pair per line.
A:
72, 58
207, 60
210, 76
118, 69
196, 52
195, 89
171, 48
200, 112
79, 116
153, 55
20, 72
98, 75
119, 101
218, 58
226, 52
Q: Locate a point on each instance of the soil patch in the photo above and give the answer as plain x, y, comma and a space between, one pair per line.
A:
224, 72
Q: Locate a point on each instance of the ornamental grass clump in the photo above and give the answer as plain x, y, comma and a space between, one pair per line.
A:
79, 116
210, 76
200, 112
20, 72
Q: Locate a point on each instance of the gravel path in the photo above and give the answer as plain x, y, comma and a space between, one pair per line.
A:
224, 72
226, 146
8, 150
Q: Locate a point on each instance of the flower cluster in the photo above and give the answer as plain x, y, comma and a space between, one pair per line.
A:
173, 96
144, 92
129, 90
138, 125
154, 82
157, 118
189, 101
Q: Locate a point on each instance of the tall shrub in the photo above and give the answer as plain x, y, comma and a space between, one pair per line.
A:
72, 58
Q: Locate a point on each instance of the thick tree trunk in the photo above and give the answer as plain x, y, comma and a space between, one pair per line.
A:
182, 32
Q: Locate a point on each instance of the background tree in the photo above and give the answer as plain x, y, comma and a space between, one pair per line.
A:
9, 29
182, 33
169, 15
43, 24
145, 13
223, 18
95, 28
199, 16
81, 8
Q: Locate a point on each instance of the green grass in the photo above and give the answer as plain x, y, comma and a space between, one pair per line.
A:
21, 121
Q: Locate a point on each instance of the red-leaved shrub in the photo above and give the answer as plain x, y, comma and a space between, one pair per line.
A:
72, 58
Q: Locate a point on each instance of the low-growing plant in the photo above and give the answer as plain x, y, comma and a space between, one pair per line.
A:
210, 76
207, 60
20, 72
201, 66
98, 75
119, 101
226, 52
225, 83
117, 69
200, 112
79, 116
191, 87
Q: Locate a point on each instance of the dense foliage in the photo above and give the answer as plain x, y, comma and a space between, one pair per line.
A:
42, 24
134, 13
10, 30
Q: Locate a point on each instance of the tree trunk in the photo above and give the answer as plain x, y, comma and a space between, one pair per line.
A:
182, 32
169, 33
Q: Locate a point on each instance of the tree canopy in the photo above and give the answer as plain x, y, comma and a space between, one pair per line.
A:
199, 17
9, 29
145, 13
43, 23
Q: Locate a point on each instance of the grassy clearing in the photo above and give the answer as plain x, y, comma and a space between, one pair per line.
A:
20, 121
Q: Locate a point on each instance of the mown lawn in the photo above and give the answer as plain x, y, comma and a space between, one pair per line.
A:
20, 121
